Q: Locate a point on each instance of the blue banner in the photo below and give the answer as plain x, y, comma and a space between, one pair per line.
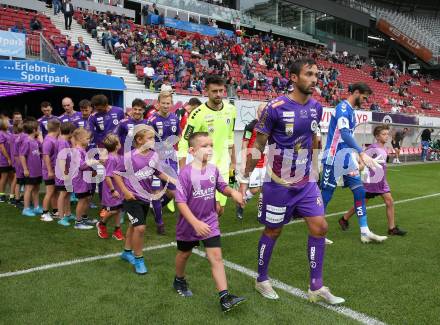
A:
12, 44
38, 72
197, 28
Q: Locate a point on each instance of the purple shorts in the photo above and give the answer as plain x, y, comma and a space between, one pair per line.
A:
279, 204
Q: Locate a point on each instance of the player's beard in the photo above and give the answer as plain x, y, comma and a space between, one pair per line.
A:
357, 102
305, 90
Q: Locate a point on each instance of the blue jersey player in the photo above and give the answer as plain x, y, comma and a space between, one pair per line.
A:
340, 159
290, 125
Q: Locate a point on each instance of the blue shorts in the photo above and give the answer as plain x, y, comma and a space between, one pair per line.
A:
278, 204
328, 179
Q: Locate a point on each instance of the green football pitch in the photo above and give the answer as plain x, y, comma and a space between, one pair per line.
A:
55, 275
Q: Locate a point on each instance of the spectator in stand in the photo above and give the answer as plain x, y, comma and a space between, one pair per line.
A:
145, 12
148, 74
68, 14
82, 53
56, 4
375, 107
62, 49
35, 24
108, 72
426, 139
155, 10
18, 28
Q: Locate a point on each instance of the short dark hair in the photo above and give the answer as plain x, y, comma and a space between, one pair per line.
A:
192, 140
67, 128
45, 104
380, 128
362, 87
84, 103
214, 80
99, 100
16, 113
30, 126
295, 67
194, 102
138, 102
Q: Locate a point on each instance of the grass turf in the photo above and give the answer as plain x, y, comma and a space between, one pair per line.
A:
395, 282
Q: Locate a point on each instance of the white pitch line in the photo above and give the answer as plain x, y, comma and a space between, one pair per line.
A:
350, 313
151, 248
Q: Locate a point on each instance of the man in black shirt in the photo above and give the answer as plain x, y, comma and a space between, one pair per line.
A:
396, 143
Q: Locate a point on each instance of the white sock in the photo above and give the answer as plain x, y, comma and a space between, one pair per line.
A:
365, 230
249, 195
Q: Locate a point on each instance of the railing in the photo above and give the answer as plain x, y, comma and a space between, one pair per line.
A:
48, 53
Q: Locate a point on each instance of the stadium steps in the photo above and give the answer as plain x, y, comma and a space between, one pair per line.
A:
101, 60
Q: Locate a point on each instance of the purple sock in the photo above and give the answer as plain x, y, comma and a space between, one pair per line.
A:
157, 209
265, 247
315, 254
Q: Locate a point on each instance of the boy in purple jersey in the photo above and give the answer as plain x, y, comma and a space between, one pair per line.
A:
166, 126
104, 120
111, 195
62, 173
290, 124
198, 219
49, 152
377, 185
6, 169
16, 140
82, 187
70, 115
126, 126
46, 109
30, 159
133, 177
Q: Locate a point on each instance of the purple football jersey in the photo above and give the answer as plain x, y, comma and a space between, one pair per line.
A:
377, 183
126, 128
197, 189
102, 124
290, 127
111, 166
137, 170
79, 182
42, 122
82, 123
61, 144
5, 138
165, 127
75, 116
18, 139
31, 149
49, 149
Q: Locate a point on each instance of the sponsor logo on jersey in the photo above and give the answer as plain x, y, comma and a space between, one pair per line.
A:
289, 129
314, 126
303, 114
288, 114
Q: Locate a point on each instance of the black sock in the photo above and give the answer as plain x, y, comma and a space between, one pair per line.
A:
54, 211
222, 293
117, 227
180, 278
127, 250
45, 211
139, 257
84, 217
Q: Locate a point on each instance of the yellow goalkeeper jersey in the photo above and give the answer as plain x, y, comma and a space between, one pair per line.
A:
220, 126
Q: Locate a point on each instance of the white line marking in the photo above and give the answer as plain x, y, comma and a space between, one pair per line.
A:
228, 234
78, 261
360, 317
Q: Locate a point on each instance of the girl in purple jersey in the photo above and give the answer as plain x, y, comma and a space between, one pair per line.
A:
30, 159
378, 187
198, 220
16, 139
6, 169
111, 195
133, 177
